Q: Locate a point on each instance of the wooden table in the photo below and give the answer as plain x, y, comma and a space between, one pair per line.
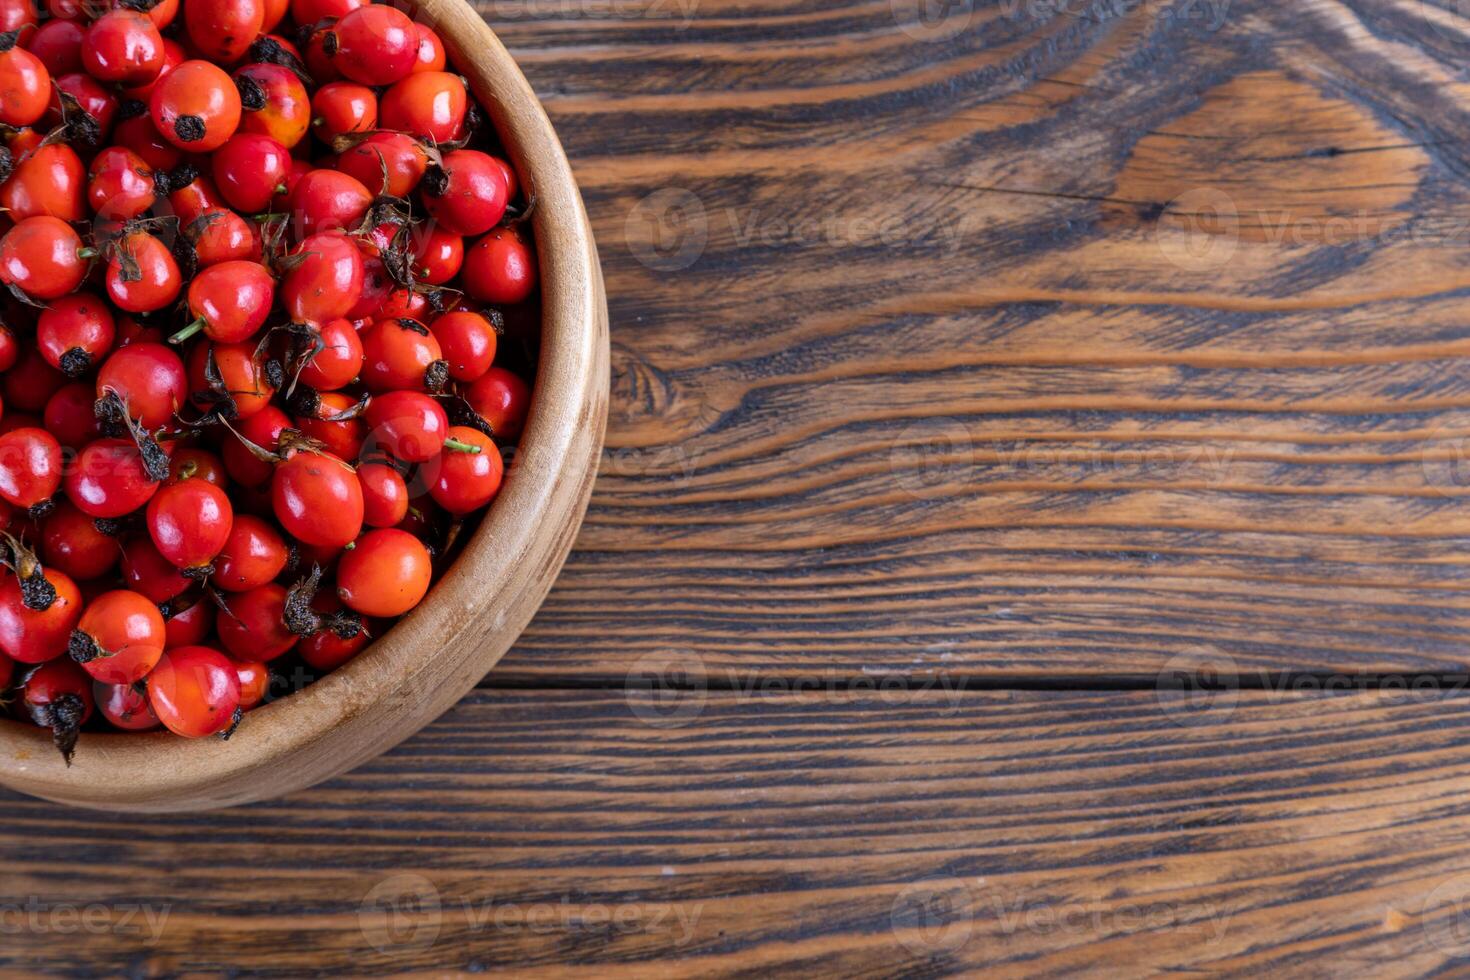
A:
1031, 533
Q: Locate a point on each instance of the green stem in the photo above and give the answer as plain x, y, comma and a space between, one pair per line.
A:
187, 332
461, 447
86, 253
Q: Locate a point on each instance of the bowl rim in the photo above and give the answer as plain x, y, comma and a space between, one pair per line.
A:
499, 579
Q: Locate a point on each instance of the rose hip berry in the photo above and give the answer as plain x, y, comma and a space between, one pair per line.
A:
253, 255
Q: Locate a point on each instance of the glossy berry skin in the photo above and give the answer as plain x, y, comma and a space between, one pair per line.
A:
189, 522
343, 438
30, 466
71, 543
438, 255
147, 572
501, 398
473, 199
387, 574
384, 495
47, 180
317, 499
232, 299
173, 56
339, 360
409, 425
328, 201
123, 47
120, 185
252, 627
69, 415
75, 333
47, 685
194, 691
430, 105
107, 479
189, 625
402, 156
150, 379
219, 236
468, 342
195, 199
247, 170
196, 107
58, 44
190, 461
500, 268
223, 30
430, 55
255, 682
339, 108
311, 11
376, 45
286, 115
397, 353
326, 284
128, 633
25, 86
39, 256
264, 430
125, 707
252, 556
463, 482
95, 99
324, 650
142, 275
246, 388
34, 636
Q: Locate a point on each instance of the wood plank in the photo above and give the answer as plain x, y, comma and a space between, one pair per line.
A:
1051, 344
864, 834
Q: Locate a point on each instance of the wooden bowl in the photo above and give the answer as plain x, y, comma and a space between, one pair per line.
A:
435, 655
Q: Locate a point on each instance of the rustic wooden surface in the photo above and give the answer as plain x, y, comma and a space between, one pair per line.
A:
979, 371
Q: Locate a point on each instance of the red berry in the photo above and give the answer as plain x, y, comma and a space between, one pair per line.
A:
500, 268
75, 332
58, 696
328, 201
195, 691
462, 482
71, 543
428, 104
196, 106
230, 300
120, 186
30, 466
502, 399
253, 555
123, 46
142, 275
375, 45
384, 495
149, 573
223, 30
339, 108
149, 378
247, 170
108, 479
33, 636
407, 424
42, 257
468, 195
25, 85
326, 283
468, 342
340, 359
123, 637
398, 352
317, 499
126, 707
277, 104
387, 574
189, 522
252, 625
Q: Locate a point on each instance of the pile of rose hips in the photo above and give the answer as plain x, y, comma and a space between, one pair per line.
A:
257, 259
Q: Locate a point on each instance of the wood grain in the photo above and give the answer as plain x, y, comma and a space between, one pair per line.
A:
820, 834
1053, 338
